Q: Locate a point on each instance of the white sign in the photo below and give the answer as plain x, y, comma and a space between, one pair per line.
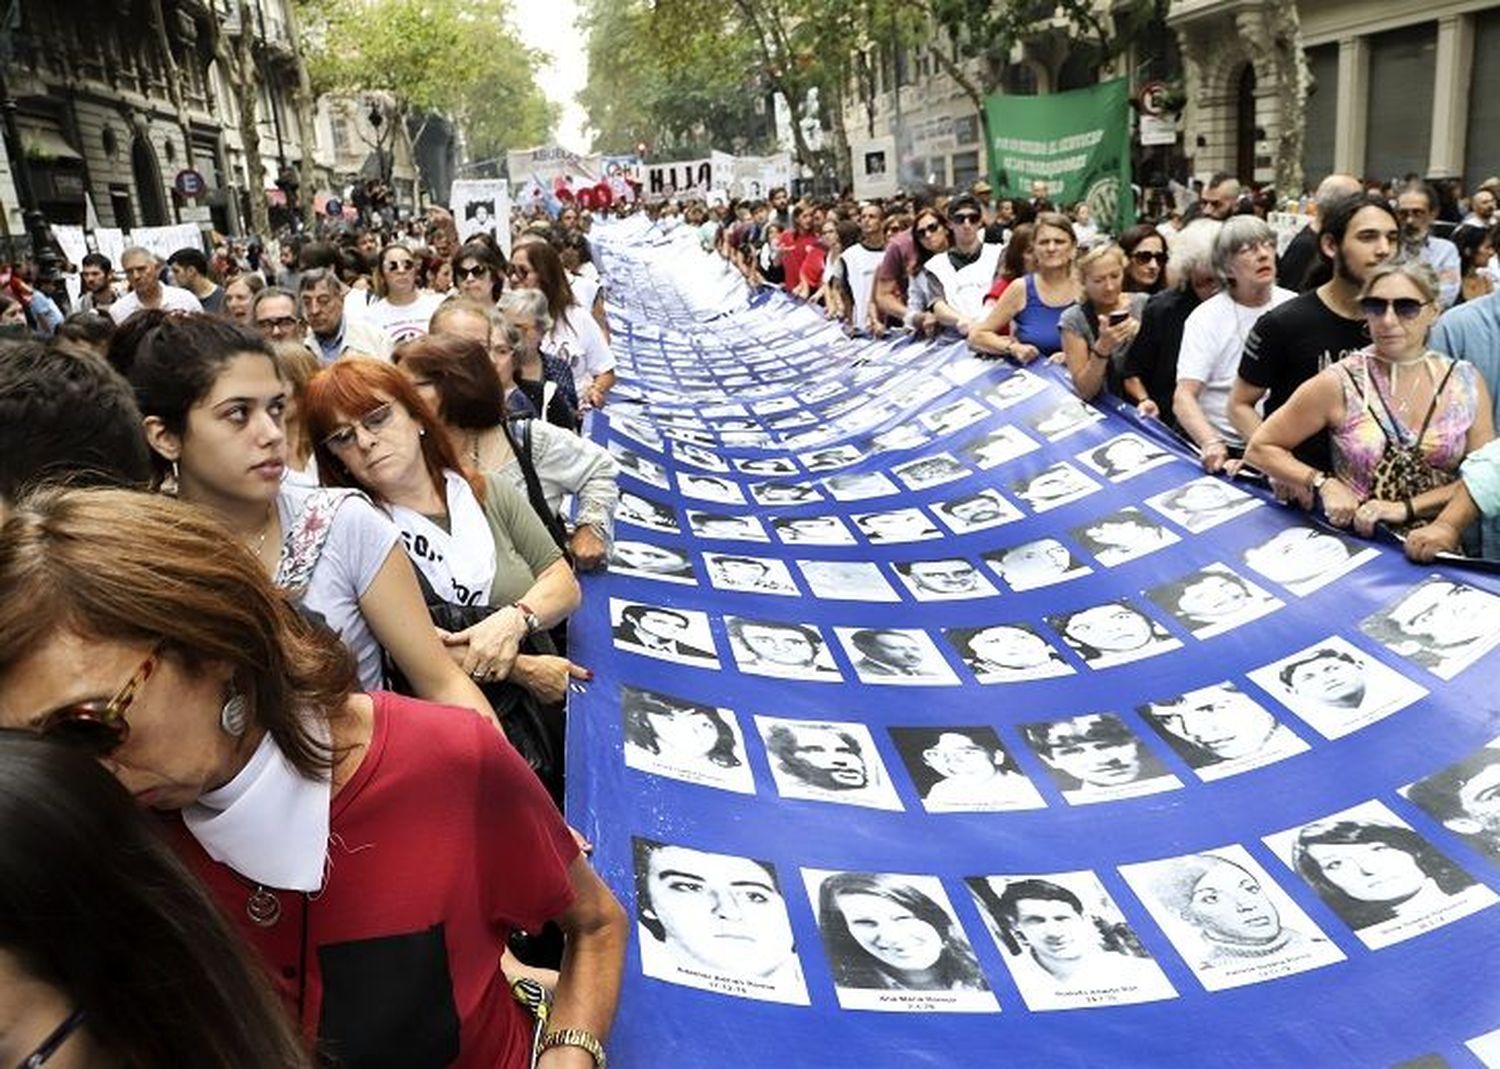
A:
661, 180
482, 206
546, 164
164, 240
1158, 130
874, 167
195, 213
755, 176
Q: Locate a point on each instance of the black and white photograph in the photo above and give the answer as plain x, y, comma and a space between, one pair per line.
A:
895, 945
1053, 487
1065, 942
684, 740
784, 493
949, 579
955, 416
1229, 920
681, 636
1305, 559
639, 467
777, 405
649, 561
1015, 389
640, 430
933, 470
643, 512
1125, 456
963, 769
781, 650
1038, 563
904, 436
678, 420
1066, 417
847, 580
1336, 687
735, 423
966, 368
1212, 600
1123, 536
710, 488
976, 512
1095, 757
902, 656
1112, 634
697, 456
897, 525
767, 465
999, 446
813, 530
1221, 731
750, 575
826, 761
832, 457
715, 922
1464, 797
691, 438
747, 439
1203, 503
482, 206
1007, 653
726, 525
1441, 624
1384, 881
860, 486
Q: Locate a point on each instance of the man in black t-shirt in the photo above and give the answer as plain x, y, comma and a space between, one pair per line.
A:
1292, 343
1300, 259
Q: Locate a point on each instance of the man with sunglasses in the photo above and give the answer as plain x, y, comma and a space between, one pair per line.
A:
331, 333
1417, 207
1293, 342
964, 273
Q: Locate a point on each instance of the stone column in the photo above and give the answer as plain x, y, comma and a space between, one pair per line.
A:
1352, 113
1454, 70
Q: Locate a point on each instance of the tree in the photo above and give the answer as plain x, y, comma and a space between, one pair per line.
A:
234, 44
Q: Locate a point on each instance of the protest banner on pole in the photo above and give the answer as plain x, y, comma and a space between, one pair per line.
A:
482, 206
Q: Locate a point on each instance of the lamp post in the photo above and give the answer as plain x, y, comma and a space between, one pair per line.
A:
36, 223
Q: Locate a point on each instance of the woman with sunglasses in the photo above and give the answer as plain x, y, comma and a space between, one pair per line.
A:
1146, 255
1033, 310
575, 336
402, 309
1097, 333
1396, 395
110, 951
377, 850
931, 237
479, 272
474, 538
214, 402
452, 371
961, 276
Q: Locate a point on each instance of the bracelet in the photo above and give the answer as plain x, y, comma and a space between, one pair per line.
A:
1097, 355
1411, 512
1213, 442
574, 1037
532, 620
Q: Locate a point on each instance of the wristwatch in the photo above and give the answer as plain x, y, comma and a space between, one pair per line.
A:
574, 1037
1315, 484
533, 621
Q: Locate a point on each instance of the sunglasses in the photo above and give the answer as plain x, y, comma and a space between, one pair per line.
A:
54, 1041
1144, 257
477, 271
930, 228
373, 421
1406, 307
401, 265
517, 271
967, 217
100, 728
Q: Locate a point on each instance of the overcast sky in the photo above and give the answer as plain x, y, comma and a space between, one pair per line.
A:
547, 25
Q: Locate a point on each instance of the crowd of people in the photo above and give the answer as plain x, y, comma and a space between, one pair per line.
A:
285, 538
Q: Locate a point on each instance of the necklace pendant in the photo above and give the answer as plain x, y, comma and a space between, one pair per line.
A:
263, 908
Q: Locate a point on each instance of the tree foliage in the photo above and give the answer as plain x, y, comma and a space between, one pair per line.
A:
456, 57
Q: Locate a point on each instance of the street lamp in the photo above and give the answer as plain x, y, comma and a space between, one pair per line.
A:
37, 231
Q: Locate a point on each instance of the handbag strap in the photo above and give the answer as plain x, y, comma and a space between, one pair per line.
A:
519, 434
303, 544
1431, 408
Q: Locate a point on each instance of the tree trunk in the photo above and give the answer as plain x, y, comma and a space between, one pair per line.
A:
174, 80
302, 100
237, 57
1292, 78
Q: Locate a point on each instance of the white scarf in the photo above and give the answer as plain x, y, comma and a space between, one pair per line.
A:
459, 563
269, 823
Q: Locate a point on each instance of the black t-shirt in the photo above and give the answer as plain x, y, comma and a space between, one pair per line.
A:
1289, 345
1152, 357
1297, 262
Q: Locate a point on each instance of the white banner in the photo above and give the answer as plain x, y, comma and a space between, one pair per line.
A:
675, 179
482, 206
164, 240
75, 247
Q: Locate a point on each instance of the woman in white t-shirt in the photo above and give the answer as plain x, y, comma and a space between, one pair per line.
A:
403, 309
574, 338
214, 404
1213, 340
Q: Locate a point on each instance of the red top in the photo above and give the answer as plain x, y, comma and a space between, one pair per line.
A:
795, 248
441, 843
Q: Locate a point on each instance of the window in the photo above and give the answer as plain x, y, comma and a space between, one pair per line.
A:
966, 131
965, 169
937, 170
1403, 65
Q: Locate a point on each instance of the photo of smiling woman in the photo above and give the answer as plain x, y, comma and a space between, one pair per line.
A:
886, 934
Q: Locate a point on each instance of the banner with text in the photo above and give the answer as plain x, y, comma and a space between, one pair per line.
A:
1078, 142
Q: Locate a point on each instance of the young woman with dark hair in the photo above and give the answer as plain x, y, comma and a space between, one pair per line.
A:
574, 335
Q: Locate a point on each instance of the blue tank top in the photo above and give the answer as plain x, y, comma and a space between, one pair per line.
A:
1036, 324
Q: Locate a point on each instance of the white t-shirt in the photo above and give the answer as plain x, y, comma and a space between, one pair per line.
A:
360, 541
585, 289
577, 339
173, 299
1213, 340
859, 271
403, 322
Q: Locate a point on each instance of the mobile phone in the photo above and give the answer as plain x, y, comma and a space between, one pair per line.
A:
1116, 318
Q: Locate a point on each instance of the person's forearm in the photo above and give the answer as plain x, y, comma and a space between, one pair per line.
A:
1245, 418
946, 314
1135, 389
1085, 370
1460, 510
555, 594
588, 986
1275, 460
1192, 420
1433, 502
603, 382
989, 341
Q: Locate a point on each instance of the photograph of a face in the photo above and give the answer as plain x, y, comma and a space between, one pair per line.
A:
782, 650
1221, 731
1124, 457
1441, 624
826, 761
847, 580
1336, 687
650, 561
685, 740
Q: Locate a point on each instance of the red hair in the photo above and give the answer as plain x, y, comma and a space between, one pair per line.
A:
353, 386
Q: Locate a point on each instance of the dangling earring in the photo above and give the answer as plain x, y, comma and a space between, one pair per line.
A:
173, 483
421, 432
232, 716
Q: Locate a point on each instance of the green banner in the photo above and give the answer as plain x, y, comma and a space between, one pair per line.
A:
1078, 142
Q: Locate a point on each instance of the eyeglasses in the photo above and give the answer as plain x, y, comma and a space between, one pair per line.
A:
477, 271
54, 1041
516, 270
930, 228
373, 421
966, 217
1406, 307
1143, 257
98, 728
278, 325
400, 265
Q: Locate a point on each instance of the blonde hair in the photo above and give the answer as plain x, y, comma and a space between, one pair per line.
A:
1090, 257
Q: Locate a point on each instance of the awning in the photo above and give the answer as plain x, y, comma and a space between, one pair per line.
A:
43, 143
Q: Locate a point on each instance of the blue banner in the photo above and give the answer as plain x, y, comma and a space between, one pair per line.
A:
939, 719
